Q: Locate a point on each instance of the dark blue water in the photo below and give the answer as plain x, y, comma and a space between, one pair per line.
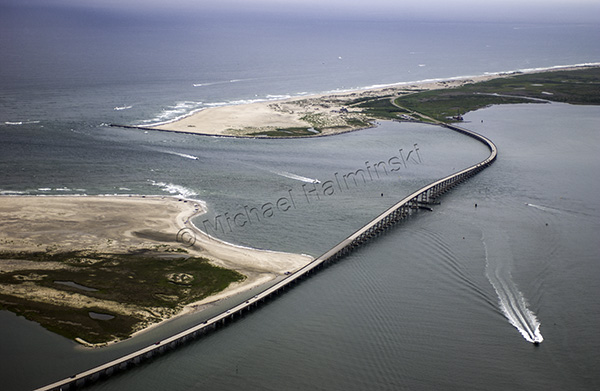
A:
77, 67
422, 307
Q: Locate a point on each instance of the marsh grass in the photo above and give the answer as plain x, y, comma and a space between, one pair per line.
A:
575, 86
162, 282
288, 132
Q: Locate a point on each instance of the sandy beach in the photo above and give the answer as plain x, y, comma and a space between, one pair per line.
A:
111, 224
329, 112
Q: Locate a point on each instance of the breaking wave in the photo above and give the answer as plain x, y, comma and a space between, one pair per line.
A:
175, 112
16, 123
221, 82
171, 188
11, 192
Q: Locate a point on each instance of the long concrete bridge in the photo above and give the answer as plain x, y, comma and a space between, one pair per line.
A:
402, 209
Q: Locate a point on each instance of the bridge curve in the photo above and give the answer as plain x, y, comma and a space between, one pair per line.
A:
399, 211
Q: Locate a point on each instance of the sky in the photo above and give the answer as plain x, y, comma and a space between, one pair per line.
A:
553, 11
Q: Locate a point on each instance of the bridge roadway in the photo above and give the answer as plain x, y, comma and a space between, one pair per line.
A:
419, 199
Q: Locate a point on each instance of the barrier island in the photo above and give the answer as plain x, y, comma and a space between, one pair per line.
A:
434, 101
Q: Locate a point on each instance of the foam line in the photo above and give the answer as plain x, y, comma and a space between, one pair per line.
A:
179, 190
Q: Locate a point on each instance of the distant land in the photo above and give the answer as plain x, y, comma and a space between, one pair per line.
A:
444, 101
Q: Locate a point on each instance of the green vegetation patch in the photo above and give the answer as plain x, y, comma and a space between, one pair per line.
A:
162, 282
576, 87
442, 105
580, 86
364, 99
358, 123
72, 322
318, 121
288, 132
381, 108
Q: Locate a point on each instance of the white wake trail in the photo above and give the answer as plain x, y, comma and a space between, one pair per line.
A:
544, 208
296, 177
184, 155
512, 302
284, 174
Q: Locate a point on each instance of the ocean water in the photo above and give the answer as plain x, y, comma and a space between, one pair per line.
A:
450, 299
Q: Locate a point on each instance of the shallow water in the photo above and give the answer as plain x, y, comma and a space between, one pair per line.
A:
76, 285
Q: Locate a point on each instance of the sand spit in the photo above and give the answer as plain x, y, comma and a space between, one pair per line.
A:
330, 113
114, 225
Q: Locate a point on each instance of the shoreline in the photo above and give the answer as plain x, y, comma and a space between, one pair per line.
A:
114, 225
329, 112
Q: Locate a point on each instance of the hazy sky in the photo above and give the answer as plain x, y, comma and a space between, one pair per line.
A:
484, 10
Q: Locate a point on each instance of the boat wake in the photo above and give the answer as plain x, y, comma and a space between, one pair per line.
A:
544, 208
512, 302
296, 177
184, 155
